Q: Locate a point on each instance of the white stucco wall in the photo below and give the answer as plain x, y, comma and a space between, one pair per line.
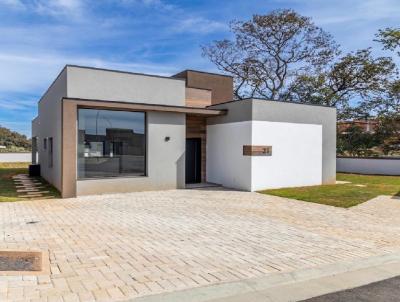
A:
369, 166
15, 157
226, 164
288, 112
296, 155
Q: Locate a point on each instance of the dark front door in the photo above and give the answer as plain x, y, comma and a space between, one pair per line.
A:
193, 160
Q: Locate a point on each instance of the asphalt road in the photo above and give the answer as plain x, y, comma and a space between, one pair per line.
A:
384, 291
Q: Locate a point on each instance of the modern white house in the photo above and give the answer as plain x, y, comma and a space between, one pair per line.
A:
104, 131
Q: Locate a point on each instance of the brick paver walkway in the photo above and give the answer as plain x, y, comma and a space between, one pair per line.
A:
114, 247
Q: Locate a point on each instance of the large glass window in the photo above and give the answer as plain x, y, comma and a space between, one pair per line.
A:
111, 143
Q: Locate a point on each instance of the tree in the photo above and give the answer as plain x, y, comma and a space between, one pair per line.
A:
390, 101
388, 133
389, 38
350, 84
12, 139
269, 51
387, 103
355, 142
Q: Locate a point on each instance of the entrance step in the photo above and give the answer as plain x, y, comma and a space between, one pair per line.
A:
202, 185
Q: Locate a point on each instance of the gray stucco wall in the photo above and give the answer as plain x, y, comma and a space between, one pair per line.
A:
97, 84
165, 159
273, 111
35, 126
48, 124
15, 157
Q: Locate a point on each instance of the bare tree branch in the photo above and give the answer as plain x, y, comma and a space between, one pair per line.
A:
268, 51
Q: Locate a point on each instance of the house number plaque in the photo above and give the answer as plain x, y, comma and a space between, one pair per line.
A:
251, 150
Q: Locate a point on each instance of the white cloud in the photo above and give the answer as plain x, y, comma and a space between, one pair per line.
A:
379, 9
73, 8
16, 104
16, 4
180, 20
198, 25
159, 4
353, 11
26, 74
59, 7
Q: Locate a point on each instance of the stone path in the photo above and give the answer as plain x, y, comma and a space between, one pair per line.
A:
30, 187
122, 246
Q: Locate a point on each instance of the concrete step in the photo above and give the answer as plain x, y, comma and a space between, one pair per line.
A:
37, 192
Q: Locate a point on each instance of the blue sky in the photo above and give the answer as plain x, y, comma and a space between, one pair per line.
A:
38, 37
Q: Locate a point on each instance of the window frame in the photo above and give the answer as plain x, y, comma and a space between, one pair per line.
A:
145, 174
50, 152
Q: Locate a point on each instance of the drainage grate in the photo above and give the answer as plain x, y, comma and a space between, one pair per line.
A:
20, 261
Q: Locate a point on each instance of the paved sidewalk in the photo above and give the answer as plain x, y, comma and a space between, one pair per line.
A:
328, 282
122, 246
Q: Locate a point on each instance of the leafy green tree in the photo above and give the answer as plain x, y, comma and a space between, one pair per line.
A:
269, 51
349, 84
386, 103
12, 139
389, 103
354, 141
388, 133
389, 38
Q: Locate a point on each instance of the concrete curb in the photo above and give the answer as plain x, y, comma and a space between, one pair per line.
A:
291, 286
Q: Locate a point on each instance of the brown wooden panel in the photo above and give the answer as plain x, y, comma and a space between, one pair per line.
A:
251, 150
220, 85
68, 151
199, 98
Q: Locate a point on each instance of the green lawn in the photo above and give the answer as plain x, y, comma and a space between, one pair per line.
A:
7, 188
361, 189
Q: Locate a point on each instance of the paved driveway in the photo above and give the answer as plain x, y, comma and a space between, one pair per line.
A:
121, 246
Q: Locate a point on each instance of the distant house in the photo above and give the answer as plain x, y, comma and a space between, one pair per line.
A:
102, 131
366, 125
3, 147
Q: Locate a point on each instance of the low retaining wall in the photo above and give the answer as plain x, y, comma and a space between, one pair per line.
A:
15, 157
381, 166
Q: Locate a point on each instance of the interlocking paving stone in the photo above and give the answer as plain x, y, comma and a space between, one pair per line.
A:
121, 246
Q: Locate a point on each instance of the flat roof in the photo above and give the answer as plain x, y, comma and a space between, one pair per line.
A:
105, 69
276, 101
146, 106
126, 72
205, 72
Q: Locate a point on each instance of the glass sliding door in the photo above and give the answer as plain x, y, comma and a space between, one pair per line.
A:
111, 143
